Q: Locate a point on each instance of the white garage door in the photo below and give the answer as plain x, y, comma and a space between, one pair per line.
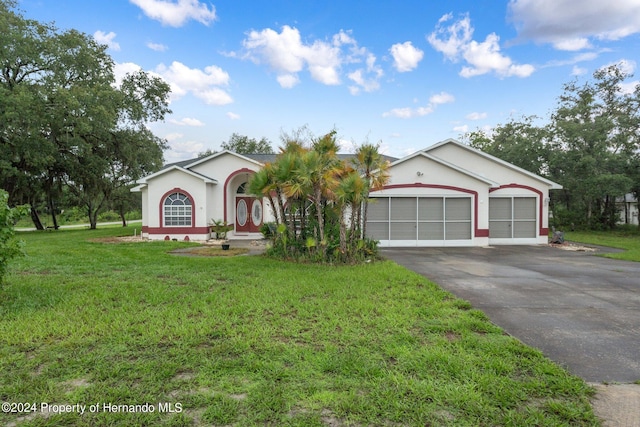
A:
411, 220
512, 217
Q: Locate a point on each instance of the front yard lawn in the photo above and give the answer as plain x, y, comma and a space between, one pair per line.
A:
248, 340
622, 239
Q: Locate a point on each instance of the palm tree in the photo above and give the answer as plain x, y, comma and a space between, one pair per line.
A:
375, 170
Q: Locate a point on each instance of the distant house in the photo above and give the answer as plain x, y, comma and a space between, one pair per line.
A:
628, 208
446, 195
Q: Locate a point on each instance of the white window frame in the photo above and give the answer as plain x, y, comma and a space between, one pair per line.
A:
177, 210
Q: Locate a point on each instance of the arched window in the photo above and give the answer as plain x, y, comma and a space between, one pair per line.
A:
177, 210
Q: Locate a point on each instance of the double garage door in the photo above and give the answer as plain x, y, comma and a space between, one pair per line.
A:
410, 220
512, 217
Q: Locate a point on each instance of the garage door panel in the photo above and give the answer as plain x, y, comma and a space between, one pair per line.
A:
403, 208
524, 229
378, 209
500, 208
524, 208
431, 231
378, 230
458, 209
430, 208
500, 229
458, 231
403, 231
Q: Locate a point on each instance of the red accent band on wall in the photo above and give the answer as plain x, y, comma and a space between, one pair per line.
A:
543, 231
178, 230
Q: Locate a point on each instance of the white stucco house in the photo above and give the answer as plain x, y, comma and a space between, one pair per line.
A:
446, 195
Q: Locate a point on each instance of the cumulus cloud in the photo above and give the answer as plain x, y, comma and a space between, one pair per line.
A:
455, 42
408, 112
287, 54
203, 84
568, 24
405, 56
181, 150
233, 116
158, 47
476, 116
123, 68
107, 38
176, 14
187, 121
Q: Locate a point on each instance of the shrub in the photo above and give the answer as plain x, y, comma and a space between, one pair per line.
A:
9, 246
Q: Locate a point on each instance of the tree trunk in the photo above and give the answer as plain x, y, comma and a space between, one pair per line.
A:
53, 212
122, 216
36, 219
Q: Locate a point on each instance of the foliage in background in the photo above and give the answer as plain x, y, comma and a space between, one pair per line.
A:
10, 247
319, 201
68, 130
591, 146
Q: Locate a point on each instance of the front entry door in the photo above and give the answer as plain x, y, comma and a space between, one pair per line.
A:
248, 214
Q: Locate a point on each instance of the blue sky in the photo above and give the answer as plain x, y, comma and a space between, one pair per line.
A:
406, 74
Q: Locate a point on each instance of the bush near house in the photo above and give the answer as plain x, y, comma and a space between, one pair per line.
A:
320, 201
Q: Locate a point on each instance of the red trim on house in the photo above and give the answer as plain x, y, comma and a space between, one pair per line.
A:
542, 231
477, 232
161, 211
482, 232
226, 186
177, 230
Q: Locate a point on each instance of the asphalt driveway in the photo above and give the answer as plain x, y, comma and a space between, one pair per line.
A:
581, 310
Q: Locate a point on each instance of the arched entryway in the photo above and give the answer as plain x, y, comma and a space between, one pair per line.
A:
249, 211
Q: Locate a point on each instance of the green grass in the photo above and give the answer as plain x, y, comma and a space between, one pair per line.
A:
623, 239
249, 340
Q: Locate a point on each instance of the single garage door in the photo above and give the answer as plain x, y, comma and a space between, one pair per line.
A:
416, 219
512, 217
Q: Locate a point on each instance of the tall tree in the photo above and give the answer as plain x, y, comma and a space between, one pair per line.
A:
63, 121
242, 144
596, 130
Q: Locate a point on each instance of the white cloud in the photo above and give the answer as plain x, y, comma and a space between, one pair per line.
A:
578, 43
405, 56
107, 38
578, 71
461, 128
476, 116
233, 116
187, 122
176, 14
441, 98
456, 43
182, 150
624, 65
568, 23
408, 112
202, 84
123, 68
286, 54
158, 47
